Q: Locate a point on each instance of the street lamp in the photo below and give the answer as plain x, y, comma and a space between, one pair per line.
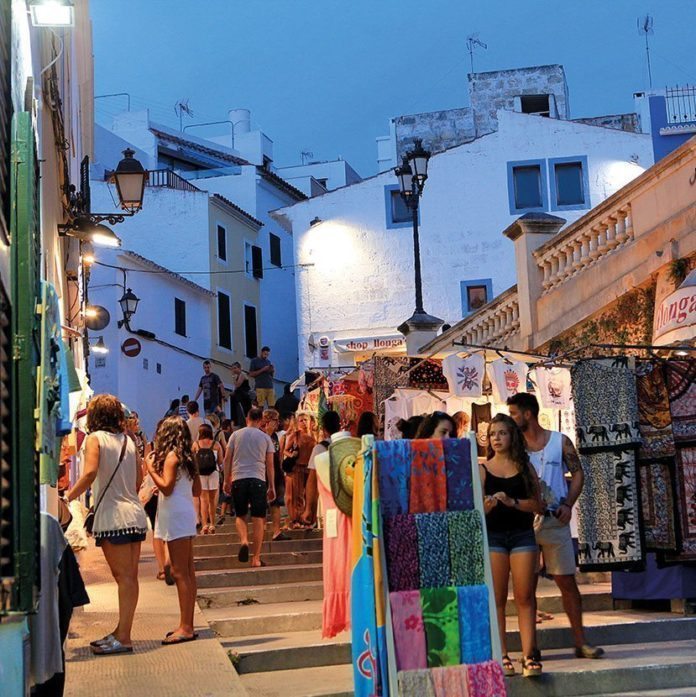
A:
130, 178
52, 13
412, 175
100, 346
129, 304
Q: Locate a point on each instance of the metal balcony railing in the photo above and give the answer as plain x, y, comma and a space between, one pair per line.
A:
167, 178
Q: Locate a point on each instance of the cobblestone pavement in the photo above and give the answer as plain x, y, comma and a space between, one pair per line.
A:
197, 669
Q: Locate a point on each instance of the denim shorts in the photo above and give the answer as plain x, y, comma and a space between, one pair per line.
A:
512, 541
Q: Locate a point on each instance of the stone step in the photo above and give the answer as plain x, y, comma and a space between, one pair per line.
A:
324, 681
231, 548
267, 575
631, 670
271, 559
222, 536
288, 650
280, 593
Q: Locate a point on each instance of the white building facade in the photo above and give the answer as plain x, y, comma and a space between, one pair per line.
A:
356, 279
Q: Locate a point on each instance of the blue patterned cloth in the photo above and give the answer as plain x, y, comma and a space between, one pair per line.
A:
394, 471
466, 548
433, 549
460, 493
474, 624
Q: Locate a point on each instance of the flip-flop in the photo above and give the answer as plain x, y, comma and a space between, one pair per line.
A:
243, 555
178, 639
195, 634
259, 565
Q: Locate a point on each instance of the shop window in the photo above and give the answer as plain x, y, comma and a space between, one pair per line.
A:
397, 212
569, 183
179, 317
221, 243
250, 332
475, 294
527, 186
224, 320
276, 258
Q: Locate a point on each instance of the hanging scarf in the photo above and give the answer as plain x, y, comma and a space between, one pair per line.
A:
401, 546
654, 417
474, 624
428, 486
416, 683
460, 493
409, 633
465, 536
433, 550
394, 471
441, 620
451, 681
681, 383
486, 680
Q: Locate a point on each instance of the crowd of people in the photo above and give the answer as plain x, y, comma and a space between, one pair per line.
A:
197, 470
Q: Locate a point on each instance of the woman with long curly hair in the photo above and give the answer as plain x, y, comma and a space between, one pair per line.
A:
512, 496
173, 470
112, 468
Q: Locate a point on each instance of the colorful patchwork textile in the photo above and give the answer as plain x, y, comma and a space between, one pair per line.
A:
654, 417
657, 499
416, 683
441, 620
466, 548
433, 550
474, 624
681, 383
428, 485
460, 493
686, 503
426, 375
409, 634
451, 681
394, 472
486, 680
401, 545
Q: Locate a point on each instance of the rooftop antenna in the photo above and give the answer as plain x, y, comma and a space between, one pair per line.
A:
306, 156
645, 26
180, 108
473, 42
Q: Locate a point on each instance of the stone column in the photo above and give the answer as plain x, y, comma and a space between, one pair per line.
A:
529, 232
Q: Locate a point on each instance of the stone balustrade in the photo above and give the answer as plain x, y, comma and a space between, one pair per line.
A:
494, 324
584, 246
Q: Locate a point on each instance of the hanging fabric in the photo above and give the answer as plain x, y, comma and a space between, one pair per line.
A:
409, 633
441, 622
428, 485
606, 409
681, 383
401, 549
433, 550
394, 411
465, 375
553, 387
416, 683
480, 418
507, 378
460, 492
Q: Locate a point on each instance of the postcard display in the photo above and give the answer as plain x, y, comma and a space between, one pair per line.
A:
442, 633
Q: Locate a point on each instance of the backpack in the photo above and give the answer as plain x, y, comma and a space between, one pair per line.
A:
206, 461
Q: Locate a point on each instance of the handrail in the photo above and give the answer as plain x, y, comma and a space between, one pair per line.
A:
170, 179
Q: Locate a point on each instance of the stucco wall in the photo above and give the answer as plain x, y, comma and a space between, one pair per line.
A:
361, 279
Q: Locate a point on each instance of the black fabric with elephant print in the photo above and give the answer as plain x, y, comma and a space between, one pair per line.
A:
609, 511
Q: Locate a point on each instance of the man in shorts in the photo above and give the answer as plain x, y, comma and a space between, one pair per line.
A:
553, 454
262, 370
249, 476
212, 388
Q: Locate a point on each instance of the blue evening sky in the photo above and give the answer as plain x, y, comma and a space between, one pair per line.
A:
326, 75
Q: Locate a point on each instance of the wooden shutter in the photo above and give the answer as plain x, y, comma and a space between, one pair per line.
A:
179, 317
276, 258
252, 344
25, 295
224, 321
256, 262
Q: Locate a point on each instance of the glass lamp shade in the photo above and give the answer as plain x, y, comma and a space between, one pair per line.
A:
100, 346
405, 176
104, 236
52, 13
129, 303
419, 158
130, 178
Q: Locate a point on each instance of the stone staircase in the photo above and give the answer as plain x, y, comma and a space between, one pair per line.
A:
269, 620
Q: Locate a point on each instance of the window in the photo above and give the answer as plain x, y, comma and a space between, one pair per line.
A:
256, 261
276, 258
250, 338
397, 212
221, 243
535, 104
224, 320
475, 294
569, 183
179, 317
158, 368
323, 182
527, 186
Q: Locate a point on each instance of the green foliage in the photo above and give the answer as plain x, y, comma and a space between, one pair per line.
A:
679, 270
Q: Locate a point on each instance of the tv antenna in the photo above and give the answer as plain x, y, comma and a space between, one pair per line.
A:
306, 156
472, 43
645, 26
180, 108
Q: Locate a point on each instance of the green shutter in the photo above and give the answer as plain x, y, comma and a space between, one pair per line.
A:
25, 261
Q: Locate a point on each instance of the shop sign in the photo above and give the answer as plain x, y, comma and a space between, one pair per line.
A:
131, 347
677, 311
394, 342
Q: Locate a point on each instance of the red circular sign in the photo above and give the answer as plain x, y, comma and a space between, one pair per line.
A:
131, 347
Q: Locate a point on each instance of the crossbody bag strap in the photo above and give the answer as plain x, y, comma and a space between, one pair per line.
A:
108, 484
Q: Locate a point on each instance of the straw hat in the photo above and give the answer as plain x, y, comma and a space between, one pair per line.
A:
343, 454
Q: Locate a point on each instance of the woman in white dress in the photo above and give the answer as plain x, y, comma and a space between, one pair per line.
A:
112, 469
173, 470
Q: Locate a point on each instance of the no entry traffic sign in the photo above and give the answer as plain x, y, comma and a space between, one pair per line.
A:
131, 347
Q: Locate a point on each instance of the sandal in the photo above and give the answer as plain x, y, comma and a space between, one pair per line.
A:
588, 651
161, 576
104, 640
211, 530
111, 648
531, 668
508, 666
205, 530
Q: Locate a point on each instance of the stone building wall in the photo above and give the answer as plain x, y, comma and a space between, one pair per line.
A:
620, 122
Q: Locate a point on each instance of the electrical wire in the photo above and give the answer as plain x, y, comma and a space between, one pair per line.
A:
199, 273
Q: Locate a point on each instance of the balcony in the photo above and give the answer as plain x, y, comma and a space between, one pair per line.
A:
168, 178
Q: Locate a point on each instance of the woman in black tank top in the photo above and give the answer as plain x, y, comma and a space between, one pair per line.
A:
511, 498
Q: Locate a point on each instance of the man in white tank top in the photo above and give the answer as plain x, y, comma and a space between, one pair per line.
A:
553, 455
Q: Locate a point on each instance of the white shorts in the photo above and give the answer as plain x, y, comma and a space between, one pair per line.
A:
210, 482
